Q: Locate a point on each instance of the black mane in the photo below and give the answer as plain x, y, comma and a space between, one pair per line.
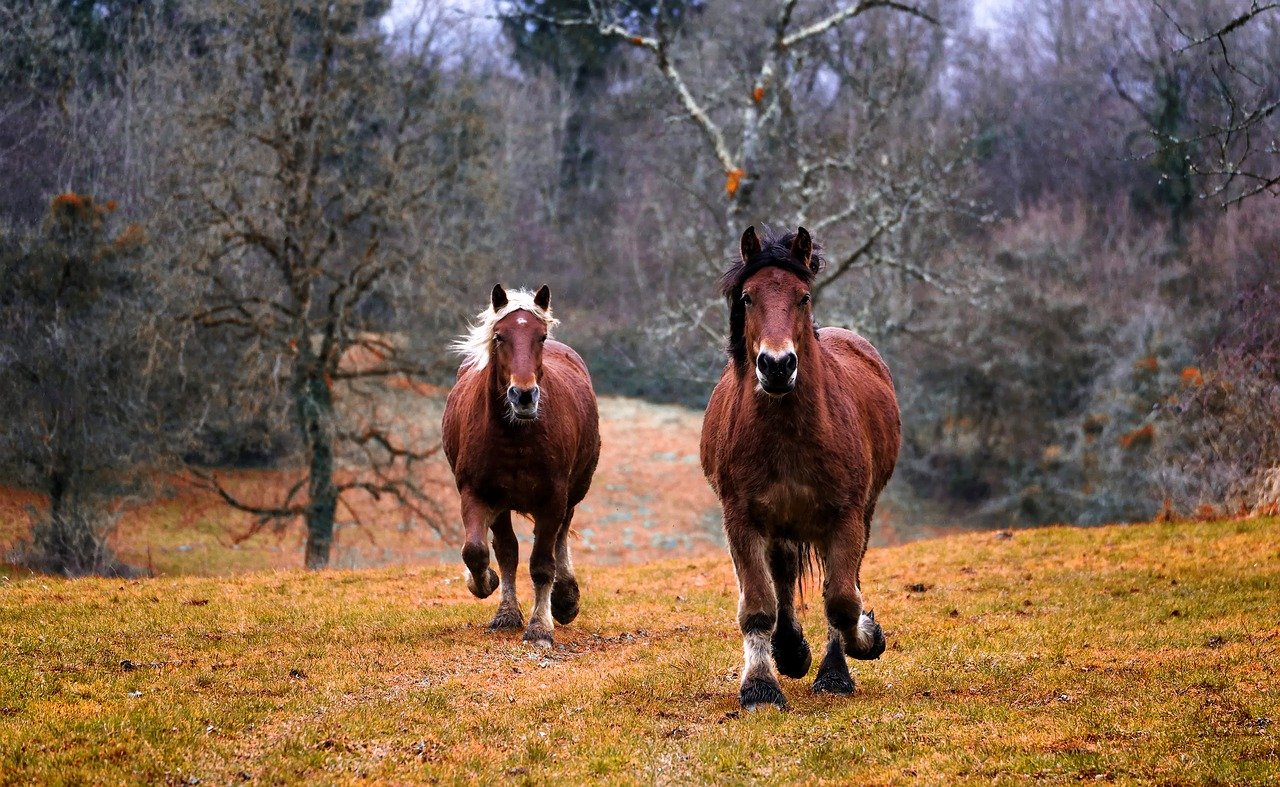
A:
775, 252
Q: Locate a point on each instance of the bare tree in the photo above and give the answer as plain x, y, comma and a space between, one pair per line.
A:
323, 166
758, 126
87, 346
1239, 132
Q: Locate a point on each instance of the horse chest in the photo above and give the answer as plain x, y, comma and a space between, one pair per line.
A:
515, 475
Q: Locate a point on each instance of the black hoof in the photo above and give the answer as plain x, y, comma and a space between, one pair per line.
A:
862, 650
484, 588
564, 601
791, 652
507, 619
757, 692
538, 637
833, 682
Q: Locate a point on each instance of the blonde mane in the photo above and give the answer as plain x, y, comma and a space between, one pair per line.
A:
474, 344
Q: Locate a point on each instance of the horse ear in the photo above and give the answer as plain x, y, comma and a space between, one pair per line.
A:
750, 243
499, 298
542, 298
802, 249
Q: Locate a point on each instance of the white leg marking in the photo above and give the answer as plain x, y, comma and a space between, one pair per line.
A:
866, 636
541, 615
757, 657
564, 560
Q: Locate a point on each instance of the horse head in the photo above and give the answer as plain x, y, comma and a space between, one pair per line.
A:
519, 334
770, 307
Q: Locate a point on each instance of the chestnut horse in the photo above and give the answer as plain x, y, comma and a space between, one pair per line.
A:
800, 437
522, 434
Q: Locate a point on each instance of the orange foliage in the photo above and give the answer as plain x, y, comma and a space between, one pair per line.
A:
1142, 437
637, 40
732, 181
1147, 364
757, 95
132, 235
69, 199
1191, 376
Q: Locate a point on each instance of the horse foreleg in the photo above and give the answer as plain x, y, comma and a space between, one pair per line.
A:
476, 520
790, 649
564, 593
850, 628
507, 550
757, 613
542, 570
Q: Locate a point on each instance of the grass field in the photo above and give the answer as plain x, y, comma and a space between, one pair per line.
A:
1125, 653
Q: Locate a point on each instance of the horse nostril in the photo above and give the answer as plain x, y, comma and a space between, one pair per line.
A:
526, 398
762, 363
790, 363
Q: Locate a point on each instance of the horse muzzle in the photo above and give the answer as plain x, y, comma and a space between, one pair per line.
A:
777, 373
523, 401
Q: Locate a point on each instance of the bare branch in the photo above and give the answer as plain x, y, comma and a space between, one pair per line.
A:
845, 14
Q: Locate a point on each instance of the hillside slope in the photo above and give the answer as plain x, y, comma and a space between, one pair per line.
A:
1144, 652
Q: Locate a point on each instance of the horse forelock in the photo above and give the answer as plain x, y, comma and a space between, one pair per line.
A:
775, 252
475, 344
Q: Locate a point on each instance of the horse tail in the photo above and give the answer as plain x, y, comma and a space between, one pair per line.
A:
808, 567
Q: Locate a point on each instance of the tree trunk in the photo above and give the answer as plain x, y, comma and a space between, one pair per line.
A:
59, 548
315, 417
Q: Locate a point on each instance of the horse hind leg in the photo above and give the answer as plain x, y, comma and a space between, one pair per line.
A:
833, 673
564, 591
790, 649
507, 551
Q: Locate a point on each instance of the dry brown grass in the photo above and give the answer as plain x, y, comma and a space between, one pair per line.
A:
1139, 653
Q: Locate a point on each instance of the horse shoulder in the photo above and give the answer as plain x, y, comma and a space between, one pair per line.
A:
460, 412
850, 347
565, 377
874, 401
713, 423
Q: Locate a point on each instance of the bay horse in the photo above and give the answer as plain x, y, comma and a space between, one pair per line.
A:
800, 437
522, 433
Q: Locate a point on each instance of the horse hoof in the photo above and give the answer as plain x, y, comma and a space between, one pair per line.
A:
756, 692
791, 654
483, 589
868, 640
538, 638
507, 620
564, 601
833, 683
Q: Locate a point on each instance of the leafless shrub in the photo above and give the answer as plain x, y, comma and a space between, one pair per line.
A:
1227, 453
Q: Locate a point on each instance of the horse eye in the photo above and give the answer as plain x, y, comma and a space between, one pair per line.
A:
746, 299
805, 300
542, 338
497, 338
